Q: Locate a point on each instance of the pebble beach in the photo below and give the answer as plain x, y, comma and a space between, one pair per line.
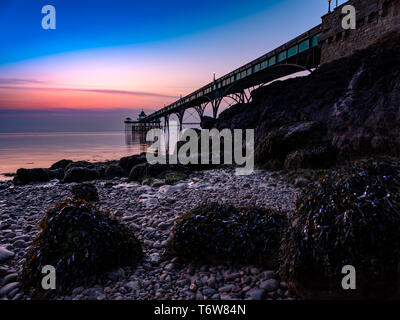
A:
150, 212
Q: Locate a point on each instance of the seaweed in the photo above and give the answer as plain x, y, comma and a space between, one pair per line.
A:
351, 218
214, 233
81, 243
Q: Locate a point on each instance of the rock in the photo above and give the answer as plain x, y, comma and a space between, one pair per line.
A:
301, 182
5, 254
113, 276
256, 294
93, 293
269, 285
8, 288
83, 243
316, 157
132, 285
56, 174
155, 258
145, 170
85, 191
203, 234
169, 267
62, 164
150, 202
354, 196
227, 288
209, 292
25, 176
127, 163
9, 278
183, 282
207, 122
79, 164
20, 244
114, 171
79, 174
287, 138
254, 271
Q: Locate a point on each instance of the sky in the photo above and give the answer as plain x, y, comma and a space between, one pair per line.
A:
107, 60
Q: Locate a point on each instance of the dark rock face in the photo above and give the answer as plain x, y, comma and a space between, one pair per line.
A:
114, 171
81, 243
61, 164
24, 176
283, 145
355, 99
85, 191
78, 174
350, 218
207, 122
214, 233
127, 163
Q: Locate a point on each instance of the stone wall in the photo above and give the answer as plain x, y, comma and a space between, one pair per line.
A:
375, 19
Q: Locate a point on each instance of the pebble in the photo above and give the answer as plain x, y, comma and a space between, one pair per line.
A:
269, 285
8, 288
5, 254
256, 294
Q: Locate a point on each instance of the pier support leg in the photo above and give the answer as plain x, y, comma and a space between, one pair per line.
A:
215, 106
180, 119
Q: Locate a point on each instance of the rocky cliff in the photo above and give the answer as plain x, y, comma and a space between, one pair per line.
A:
346, 109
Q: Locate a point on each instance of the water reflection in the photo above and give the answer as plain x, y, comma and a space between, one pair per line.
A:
136, 140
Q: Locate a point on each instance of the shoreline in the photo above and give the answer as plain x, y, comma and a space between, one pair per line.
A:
150, 213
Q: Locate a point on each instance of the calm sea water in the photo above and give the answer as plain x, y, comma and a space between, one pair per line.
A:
40, 150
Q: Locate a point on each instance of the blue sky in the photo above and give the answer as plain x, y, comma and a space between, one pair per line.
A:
162, 48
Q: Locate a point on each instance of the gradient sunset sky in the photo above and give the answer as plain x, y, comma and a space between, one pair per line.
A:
109, 59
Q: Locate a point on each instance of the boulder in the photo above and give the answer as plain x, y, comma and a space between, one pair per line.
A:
85, 191
289, 138
79, 174
213, 233
79, 164
62, 164
83, 244
146, 170
56, 174
316, 157
127, 163
114, 171
350, 218
25, 176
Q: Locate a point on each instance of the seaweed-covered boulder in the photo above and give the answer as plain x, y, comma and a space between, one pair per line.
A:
351, 218
214, 233
25, 176
80, 174
85, 191
81, 243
